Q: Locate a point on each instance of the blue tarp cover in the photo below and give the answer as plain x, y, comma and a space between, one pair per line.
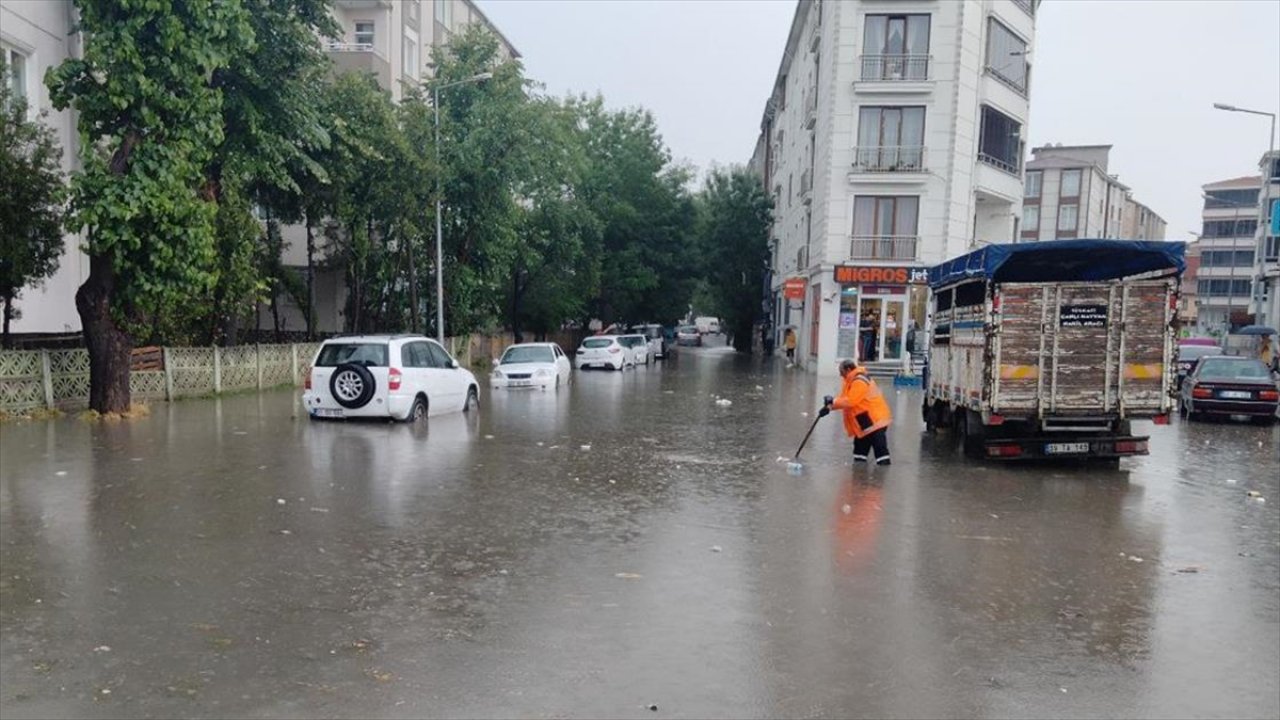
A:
1061, 261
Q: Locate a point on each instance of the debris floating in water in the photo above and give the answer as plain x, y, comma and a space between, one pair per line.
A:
281, 501
584, 447
724, 402
716, 548
628, 576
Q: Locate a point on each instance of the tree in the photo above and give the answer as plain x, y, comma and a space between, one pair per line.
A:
151, 119
32, 200
735, 215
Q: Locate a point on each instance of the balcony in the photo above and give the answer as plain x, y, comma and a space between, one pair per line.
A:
1027, 6
889, 159
811, 110
815, 36
998, 164
806, 186
884, 247
360, 58
895, 68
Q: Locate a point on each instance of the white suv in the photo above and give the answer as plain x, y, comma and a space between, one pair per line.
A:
405, 377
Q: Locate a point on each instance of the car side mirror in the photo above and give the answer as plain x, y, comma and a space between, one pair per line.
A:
450, 364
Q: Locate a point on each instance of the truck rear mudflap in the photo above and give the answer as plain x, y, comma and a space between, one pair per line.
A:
1053, 447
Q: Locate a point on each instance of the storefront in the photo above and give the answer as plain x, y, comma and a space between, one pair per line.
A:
881, 312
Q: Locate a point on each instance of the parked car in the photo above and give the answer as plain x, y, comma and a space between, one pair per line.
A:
638, 345
1222, 385
531, 365
688, 335
603, 351
657, 339
1189, 355
403, 377
707, 325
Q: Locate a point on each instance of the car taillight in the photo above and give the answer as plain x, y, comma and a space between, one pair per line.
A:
1132, 446
1004, 450
1200, 392
615, 350
393, 379
995, 303
1268, 395
306, 384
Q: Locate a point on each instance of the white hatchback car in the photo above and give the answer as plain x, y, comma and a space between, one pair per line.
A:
603, 351
404, 377
531, 365
638, 345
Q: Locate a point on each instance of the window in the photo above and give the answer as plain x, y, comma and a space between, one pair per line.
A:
1032, 187
1223, 287
444, 12
1229, 228
1007, 56
409, 54
364, 33
1070, 184
885, 227
1226, 258
896, 47
1068, 218
1030, 218
411, 9
16, 64
439, 358
1271, 249
890, 138
415, 355
1230, 199
1000, 142
367, 354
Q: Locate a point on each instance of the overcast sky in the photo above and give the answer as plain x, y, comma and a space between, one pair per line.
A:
1141, 75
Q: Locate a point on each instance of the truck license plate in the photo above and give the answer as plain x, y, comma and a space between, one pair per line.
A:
1235, 395
329, 412
1066, 448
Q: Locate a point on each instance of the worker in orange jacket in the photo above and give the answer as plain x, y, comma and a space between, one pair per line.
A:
866, 414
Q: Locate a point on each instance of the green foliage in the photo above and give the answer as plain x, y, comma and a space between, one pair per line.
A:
735, 215
150, 120
32, 199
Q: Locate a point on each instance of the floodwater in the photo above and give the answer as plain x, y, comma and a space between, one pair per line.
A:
623, 545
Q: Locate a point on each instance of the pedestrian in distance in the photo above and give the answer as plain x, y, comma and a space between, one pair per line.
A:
866, 414
790, 344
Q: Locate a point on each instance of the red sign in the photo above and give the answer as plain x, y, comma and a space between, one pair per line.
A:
793, 288
861, 275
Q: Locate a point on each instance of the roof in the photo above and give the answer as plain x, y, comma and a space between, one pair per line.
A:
1246, 182
1062, 261
475, 6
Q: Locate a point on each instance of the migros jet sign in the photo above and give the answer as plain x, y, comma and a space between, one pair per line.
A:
868, 274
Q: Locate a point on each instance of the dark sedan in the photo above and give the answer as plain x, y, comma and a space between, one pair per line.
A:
1224, 385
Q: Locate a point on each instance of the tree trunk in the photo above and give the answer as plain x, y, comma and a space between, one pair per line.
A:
415, 319
275, 311
311, 280
7, 342
108, 345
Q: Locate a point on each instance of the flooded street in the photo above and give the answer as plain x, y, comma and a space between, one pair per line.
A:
623, 545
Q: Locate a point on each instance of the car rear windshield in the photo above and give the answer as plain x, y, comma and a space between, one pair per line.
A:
367, 354
596, 343
1195, 352
1226, 369
516, 355
688, 329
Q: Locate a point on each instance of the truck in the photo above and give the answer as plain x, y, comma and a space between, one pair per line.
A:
1051, 349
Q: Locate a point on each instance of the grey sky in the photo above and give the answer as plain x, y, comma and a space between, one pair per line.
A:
1141, 75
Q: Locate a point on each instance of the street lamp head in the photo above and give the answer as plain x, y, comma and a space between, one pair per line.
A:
483, 76
1224, 106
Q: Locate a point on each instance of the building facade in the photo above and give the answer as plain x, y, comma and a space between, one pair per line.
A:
1224, 279
1187, 300
1070, 193
1266, 272
892, 140
390, 38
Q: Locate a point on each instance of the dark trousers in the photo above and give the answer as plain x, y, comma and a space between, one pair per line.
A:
877, 441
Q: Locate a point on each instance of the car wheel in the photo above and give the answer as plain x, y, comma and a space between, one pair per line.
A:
352, 386
473, 400
418, 412
971, 433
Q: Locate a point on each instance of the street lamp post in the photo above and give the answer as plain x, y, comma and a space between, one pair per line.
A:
1259, 246
435, 105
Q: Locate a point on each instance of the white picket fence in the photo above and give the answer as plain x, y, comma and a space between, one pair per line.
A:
59, 379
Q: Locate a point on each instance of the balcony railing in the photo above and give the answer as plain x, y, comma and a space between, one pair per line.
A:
1027, 6
889, 159
895, 68
334, 46
997, 163
883, 247
811, 109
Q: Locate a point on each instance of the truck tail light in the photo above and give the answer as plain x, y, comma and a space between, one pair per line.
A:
995, 420
393, 379
1004, 450
1131, 447
1268, 395
995, 303
1201, 392
306, 383
1161, 419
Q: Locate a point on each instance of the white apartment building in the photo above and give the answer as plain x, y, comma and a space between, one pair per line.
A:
1266, 289
390, 38
893, 140
1224, 278
1070, 193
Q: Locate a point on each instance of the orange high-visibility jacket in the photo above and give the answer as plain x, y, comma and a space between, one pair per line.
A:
865, 409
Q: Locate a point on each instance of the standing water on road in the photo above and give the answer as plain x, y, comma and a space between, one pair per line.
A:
624, 543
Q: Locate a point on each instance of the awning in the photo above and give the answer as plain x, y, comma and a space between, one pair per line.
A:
1062, 261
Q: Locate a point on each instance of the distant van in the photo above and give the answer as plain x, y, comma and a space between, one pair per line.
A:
707, 325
